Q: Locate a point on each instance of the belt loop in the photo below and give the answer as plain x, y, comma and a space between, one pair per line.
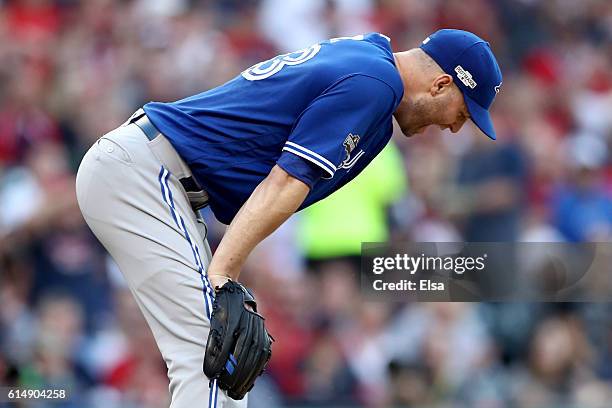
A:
136, 115
164, 151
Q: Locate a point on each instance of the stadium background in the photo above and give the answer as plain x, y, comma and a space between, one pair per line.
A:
71, 70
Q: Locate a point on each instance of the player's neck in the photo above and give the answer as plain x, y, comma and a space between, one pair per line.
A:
408, 65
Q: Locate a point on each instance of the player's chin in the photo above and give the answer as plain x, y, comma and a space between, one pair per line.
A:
412, 132
408, 131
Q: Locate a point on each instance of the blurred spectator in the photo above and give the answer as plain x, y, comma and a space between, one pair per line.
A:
559, 354
583, 210
329, 379
490, 185
297, 24
57, 357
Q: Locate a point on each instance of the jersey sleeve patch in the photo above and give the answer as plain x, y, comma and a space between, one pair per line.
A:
334, 128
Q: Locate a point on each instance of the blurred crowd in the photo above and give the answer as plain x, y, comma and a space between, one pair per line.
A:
72, 70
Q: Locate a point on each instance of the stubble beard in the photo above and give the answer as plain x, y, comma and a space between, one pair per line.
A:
415, 117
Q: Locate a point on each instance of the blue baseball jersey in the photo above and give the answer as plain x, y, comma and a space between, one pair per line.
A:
321, 113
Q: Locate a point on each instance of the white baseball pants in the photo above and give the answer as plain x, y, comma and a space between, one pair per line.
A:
131, 198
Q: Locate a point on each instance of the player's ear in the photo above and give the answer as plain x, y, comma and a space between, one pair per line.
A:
442, 83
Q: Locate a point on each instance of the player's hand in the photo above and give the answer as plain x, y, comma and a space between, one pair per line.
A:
239, 346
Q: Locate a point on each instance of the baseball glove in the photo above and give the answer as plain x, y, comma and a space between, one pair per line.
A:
239, 346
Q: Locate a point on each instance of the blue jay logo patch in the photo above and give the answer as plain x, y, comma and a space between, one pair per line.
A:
350, 143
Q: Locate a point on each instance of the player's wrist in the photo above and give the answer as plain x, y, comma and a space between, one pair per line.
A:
217, 280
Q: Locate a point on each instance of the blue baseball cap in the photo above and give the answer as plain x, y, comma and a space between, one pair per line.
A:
470, 61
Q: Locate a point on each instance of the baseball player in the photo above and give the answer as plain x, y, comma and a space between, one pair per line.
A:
282, 135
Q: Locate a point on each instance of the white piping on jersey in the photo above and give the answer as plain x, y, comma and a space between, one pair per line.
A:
352, 161
308, 151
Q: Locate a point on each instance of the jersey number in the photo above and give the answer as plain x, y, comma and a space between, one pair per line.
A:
270, 67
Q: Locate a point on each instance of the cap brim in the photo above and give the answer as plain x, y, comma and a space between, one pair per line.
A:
480, 116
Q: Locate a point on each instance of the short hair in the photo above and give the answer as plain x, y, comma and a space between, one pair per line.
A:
427, 62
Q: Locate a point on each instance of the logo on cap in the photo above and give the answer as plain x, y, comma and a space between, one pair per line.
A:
497, 88
465, 77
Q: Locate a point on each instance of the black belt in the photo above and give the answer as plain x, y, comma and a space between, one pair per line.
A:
197, 196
